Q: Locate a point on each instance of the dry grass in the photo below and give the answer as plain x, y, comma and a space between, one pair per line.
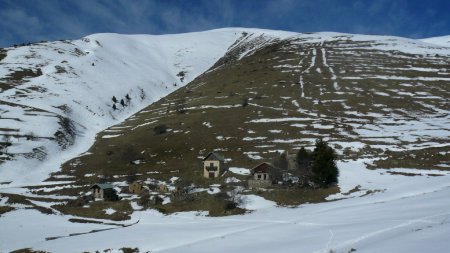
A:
426, 158
24, 200
96, 210
2, 54
297, 196
216, 205
270, 92
255, 78
28, 250
16, 199
5, 209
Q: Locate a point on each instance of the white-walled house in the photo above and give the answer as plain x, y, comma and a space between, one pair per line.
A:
213, 165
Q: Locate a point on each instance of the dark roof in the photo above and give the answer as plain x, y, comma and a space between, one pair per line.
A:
214, 156
263, 168
102, 186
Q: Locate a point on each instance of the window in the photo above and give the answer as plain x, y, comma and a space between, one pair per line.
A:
259, 176
265, 176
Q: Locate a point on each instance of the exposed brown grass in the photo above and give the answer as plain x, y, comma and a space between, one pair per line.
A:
216, 205
2, 54
96, 210
5, 209
28, 250
426, 158
269, 92
297, 196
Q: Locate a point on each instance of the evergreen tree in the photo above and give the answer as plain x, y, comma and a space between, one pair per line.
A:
122, 102
245, 102
324, 165
303, 158
142, 94
281, 161
114, 107
160, 129
114, 99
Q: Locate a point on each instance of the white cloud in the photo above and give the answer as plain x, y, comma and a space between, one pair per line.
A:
19, 22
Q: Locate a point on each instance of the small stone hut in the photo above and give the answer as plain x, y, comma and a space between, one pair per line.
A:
263, 175
136, 187
163, 188
213, 165
104, 191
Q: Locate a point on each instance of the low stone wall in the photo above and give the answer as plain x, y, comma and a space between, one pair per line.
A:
252, 183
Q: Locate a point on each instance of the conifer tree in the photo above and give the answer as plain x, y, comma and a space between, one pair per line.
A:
281, 161
303, 158
323, 164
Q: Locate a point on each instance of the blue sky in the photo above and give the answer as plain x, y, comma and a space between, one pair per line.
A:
34, 20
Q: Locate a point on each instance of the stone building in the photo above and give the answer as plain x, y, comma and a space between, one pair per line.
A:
213, 165
263, 176
104, 191
136, 187
163, 188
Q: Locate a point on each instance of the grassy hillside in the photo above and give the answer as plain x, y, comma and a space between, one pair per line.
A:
265, 96
283, 96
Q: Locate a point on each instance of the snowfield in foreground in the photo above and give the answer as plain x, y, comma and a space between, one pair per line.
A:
390, 213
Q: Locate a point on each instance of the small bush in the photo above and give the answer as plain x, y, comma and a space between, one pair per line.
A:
60, 69
79, 202
130, 250
245, 102
129, 154
230, 205
180, 106
160, 129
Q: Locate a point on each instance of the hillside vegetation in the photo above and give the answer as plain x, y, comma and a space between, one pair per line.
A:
117, 109
283, 96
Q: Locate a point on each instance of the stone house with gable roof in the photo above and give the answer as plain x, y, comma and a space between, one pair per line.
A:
104, 191
264, 175
136, 187
213, 165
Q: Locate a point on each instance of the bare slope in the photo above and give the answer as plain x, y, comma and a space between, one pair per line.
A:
377, 97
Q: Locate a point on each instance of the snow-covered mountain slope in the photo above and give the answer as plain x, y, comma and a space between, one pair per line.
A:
369, 96
441, 40
57, 95
379, 100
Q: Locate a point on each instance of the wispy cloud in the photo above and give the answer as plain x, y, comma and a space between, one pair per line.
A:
24, 20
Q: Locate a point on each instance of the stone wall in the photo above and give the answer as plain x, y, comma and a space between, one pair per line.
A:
252, 183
